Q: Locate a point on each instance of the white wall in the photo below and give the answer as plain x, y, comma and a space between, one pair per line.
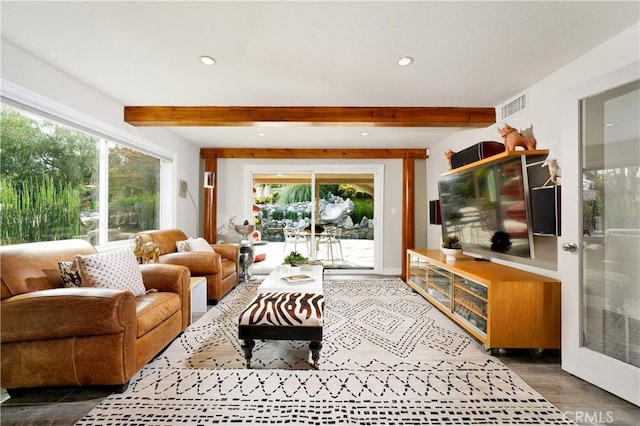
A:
28, 72
232, 199
544, 112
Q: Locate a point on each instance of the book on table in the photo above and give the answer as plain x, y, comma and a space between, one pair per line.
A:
298, 278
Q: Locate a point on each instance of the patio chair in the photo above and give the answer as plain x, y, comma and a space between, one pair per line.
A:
294, 236
331, 237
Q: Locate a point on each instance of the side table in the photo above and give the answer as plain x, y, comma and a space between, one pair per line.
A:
198, 290
246, 260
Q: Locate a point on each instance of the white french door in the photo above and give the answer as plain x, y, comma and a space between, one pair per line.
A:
599, 260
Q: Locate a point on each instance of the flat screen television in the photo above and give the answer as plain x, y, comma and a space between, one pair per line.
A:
488, 208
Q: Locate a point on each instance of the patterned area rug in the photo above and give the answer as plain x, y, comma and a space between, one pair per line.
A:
388, 358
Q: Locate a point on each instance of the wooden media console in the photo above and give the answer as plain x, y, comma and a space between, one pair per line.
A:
502, 307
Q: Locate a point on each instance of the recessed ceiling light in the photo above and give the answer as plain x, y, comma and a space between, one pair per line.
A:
405, 60
262, 134
608, 124
365, 133
207, 60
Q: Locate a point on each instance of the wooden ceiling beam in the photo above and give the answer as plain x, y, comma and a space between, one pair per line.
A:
192, 116
334, 179
349, 153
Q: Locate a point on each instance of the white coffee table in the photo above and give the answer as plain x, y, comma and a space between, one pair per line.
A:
275, 282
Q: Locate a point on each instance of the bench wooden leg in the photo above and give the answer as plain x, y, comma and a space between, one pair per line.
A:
315, 347
247, 347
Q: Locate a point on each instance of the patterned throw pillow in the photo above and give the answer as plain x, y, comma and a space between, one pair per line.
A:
199, 244
182, 245
69, 274
116, 269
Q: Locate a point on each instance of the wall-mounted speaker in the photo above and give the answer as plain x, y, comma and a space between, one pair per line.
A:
545, 201
435, 217
475, 153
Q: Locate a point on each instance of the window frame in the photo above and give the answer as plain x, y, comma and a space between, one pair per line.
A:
21, 98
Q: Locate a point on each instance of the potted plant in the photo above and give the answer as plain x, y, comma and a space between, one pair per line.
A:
295, 259
451, 247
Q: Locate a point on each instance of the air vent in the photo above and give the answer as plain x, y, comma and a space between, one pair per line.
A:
514, 106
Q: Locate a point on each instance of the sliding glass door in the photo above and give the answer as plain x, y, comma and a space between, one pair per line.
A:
283, 211
344, 215
324, 215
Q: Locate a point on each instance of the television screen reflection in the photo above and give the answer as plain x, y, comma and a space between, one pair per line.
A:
487, 207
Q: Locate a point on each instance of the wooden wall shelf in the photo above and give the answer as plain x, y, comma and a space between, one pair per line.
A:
532, 153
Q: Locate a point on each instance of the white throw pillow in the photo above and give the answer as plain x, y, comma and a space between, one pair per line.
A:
199, 244
116, 269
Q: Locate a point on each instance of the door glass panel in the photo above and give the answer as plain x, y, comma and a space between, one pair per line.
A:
344, 218
282, 210
331, 222
611, 223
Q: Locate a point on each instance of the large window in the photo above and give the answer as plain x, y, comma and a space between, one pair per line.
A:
58, 182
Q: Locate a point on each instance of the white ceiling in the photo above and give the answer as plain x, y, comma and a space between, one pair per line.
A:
312, 54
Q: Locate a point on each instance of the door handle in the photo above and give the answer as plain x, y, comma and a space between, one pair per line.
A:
570, 247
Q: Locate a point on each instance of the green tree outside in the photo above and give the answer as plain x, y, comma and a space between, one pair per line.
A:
49, 182
31, 147
46, 171
39, 211
133, 188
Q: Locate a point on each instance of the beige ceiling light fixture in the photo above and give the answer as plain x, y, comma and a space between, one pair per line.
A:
405, 61
207, 60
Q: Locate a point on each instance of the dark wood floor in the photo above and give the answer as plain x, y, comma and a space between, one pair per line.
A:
581, 401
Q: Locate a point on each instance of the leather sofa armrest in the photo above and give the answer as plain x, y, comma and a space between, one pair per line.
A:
170, 278
199, 263
228, 251
66, 312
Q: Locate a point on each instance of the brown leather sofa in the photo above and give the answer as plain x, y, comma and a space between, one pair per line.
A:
220, 268
57, 336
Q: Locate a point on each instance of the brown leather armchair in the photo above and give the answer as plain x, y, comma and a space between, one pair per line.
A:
56, 336
221, 268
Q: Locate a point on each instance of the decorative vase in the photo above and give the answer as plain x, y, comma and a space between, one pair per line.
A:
451, 254
245, 230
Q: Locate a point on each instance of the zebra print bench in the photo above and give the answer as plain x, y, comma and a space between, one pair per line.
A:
283, 316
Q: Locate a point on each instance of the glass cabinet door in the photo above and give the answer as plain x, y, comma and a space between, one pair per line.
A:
439, 284
418, 271
470, 302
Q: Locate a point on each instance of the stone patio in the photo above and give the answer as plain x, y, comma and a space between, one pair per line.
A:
358, 254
